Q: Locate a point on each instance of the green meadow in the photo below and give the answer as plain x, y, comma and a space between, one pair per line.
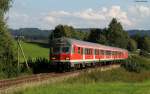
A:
34, 50
87, 84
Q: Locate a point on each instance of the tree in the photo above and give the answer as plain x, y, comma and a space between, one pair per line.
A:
116, 35
7, 48
132, 45
145, 43
62, 31
97, 36
137, 37
4, 5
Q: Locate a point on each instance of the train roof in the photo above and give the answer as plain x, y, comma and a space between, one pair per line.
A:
92, 45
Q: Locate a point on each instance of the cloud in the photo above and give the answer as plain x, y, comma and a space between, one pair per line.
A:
84, 18
116, 12
102, 15
140, 11
89, 14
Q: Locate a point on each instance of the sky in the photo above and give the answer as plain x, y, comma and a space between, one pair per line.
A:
47, 14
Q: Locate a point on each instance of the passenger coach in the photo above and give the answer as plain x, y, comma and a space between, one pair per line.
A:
66, 52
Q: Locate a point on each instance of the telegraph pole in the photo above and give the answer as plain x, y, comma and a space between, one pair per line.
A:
22, 52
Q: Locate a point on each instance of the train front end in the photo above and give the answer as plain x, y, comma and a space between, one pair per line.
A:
60, 52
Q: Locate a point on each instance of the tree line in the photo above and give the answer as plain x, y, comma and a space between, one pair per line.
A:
114, 36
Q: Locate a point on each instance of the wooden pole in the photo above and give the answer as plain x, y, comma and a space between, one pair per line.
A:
23, 55
18, 54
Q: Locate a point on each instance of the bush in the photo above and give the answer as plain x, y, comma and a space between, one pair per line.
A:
39, 65
145, 53
132, 65
136, 64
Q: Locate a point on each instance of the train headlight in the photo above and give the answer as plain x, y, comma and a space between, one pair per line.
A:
67, 58
53, 58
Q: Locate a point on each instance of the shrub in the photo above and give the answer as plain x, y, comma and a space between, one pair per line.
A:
39, 65
136, 64
145, 53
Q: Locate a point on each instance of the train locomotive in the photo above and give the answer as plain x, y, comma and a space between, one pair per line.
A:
67, 53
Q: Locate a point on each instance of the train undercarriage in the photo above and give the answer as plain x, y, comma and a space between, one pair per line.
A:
66, 66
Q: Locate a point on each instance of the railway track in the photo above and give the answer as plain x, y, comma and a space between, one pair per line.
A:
8, 83
15, 82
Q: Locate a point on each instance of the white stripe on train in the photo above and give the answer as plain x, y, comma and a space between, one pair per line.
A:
87, 60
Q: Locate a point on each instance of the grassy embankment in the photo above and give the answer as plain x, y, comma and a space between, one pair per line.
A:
34, 50
117, 81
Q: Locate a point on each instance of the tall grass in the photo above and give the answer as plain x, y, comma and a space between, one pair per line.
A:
137, 64
116, 75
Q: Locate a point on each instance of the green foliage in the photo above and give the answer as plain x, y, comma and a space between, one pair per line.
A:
4, 6
67, 31
137, 64
62, 31
7, 48
145, 43
97, 36
132, 45
116, 35
39, 65
145, 53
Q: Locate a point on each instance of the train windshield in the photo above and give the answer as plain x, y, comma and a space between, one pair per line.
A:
65, 49
58, 50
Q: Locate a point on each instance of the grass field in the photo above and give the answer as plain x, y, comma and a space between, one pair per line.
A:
34, 50
91, 88
86, 85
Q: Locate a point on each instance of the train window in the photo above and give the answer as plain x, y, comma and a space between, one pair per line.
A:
65, 49
56, 49
102, 52
108, 52
113, 52
96, 52
85, 50
73, 50
79, 50
90, 51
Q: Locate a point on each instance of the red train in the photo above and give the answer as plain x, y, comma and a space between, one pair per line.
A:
67, 53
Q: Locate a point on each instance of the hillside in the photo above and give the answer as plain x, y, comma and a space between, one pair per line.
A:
31, 33
141, 32
37, 34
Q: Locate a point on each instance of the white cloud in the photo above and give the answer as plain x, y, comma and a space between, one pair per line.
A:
50, 19
140, 11
90, 15
58, 13
85, 18
116, 12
